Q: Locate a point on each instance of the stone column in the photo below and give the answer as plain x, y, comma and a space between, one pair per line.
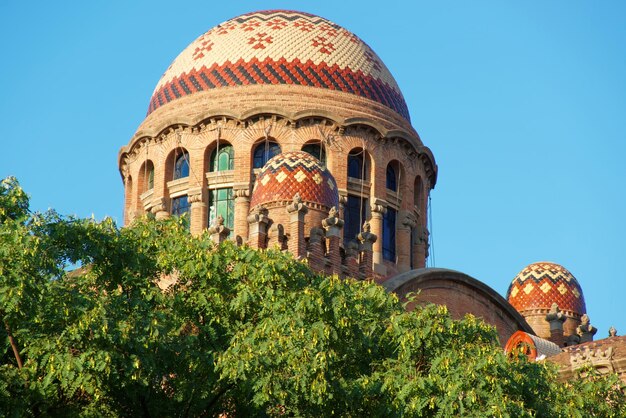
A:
332, 225
297, 210
366, 240
585, 330
556, 318
378, 209
420, 246
218, 231
241, 192
197, 212
315, 253
352, 259
403, 240
257, 227
159, 208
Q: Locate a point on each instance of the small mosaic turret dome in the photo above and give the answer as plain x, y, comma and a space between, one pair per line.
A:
279, 47
539, 285
295, 172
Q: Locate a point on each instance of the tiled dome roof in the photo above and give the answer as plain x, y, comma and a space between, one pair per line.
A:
295, 172
279, 47
540, 284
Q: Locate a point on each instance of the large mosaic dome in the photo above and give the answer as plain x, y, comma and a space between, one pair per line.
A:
539, 285
279, 47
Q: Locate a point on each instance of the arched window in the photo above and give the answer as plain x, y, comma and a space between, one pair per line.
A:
222, 158
389, 234
221, 202
356, 167
316, 150
392, 178
181, 166
180, 205
263, 152
146, 177
354, 217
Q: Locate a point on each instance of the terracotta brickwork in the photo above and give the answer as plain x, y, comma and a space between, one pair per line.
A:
461, 294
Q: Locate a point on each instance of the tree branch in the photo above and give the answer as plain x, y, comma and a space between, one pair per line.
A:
16, 351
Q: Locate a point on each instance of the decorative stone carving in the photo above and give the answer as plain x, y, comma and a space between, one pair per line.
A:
585, 330
316, 234
597, 357
158, 205
258, 215
366, 237
297, 205
379, 206
612, 332
555, 317
422, 235
195, 198
333, 220
409, 220
352, 249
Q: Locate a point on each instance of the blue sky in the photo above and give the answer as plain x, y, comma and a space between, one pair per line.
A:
522, 103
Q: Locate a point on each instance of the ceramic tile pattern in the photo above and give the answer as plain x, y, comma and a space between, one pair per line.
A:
287, 174
541, 284
279, 47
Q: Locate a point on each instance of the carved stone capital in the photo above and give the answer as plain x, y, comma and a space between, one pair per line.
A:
316, 234
378, 206
194, 196
409, 220
241, 190
422, 235
366, 237
297, 205
258, 215
352, 249
158, 205
585, 330
333, 219
556, 318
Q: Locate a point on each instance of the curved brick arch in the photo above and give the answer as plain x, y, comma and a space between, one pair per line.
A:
462, 294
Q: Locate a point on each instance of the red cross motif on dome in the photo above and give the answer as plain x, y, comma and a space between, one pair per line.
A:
370, 57
248, 26
326, 47
276, 24
259, 40
329, 30
304, 26
205, 46
224, 29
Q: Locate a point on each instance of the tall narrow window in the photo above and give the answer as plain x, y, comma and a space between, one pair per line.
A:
221, 202
180, 205
354, 217
150, 177
222, 158
181, 166
316, 150
418, 194
389, 235
356, 165
392, 179
263, 152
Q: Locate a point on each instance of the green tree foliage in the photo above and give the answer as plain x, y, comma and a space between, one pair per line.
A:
89, 332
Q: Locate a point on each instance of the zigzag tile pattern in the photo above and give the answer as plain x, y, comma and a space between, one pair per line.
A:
539, 285
279, 47
295, 172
